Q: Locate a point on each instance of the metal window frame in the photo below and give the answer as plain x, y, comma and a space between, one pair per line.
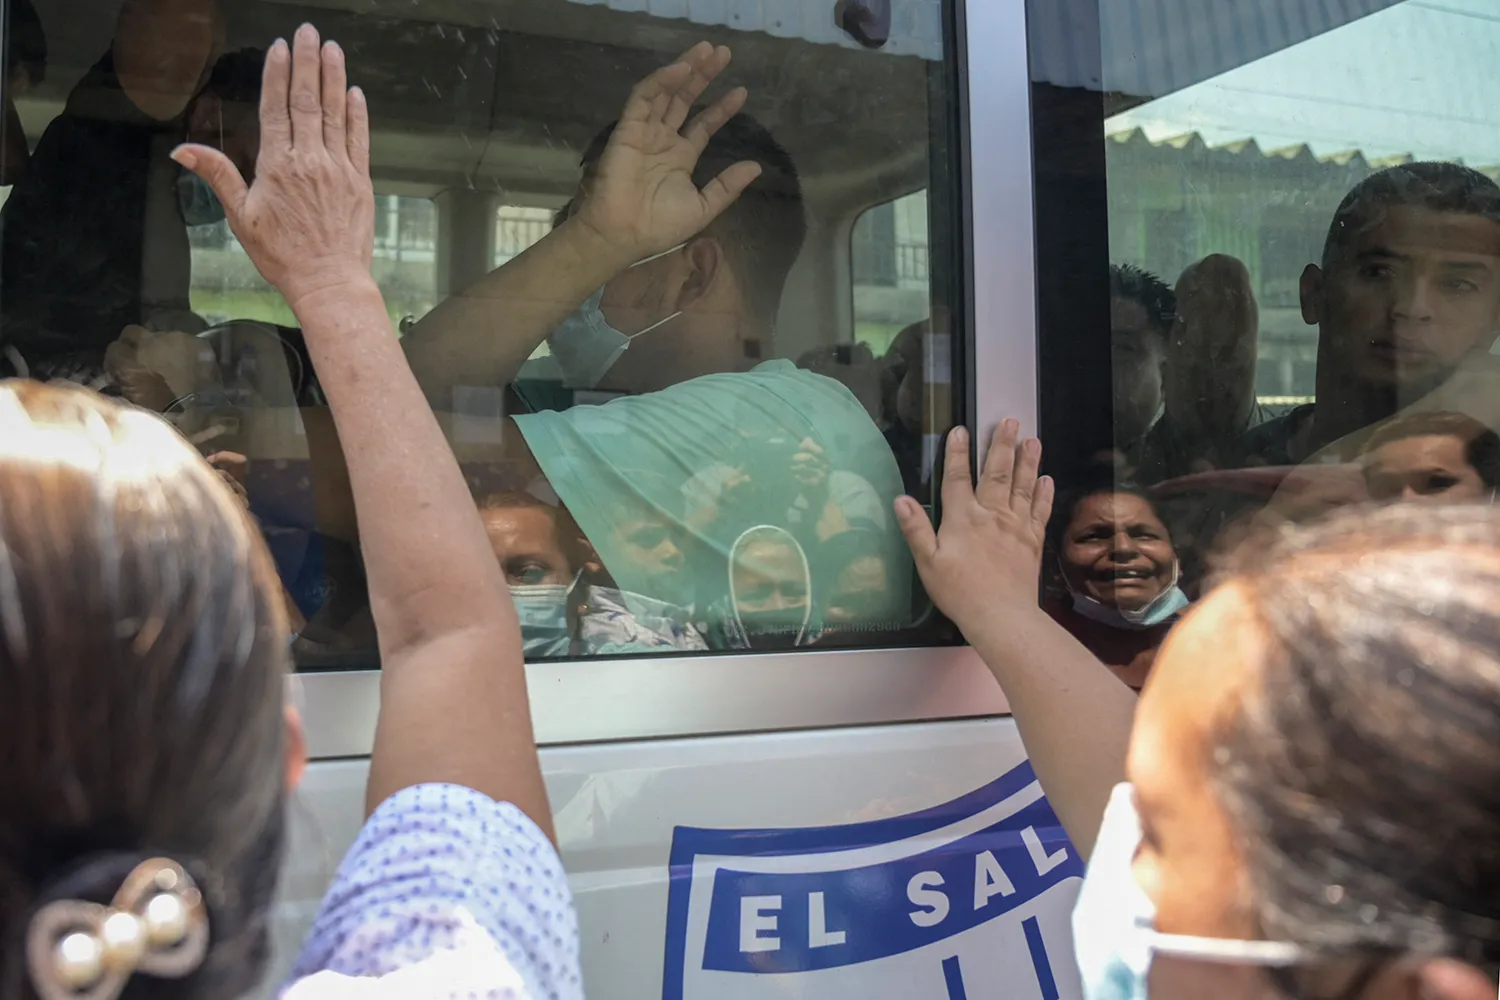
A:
639, 698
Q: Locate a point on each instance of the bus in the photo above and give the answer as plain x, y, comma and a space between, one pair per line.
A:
1098, 216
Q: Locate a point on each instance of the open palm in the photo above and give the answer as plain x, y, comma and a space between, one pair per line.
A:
641, 199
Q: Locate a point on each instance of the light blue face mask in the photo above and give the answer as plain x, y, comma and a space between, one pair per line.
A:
197, 201
1159, 609
586, 346
1114, 935
543, 613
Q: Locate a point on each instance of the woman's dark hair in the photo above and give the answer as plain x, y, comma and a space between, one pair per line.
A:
142, 667
1481, 444
1363, 771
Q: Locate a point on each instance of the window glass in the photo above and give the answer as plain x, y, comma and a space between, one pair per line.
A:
677, 439
888, 254
1269, 282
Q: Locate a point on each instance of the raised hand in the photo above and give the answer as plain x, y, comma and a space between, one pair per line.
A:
988, 550
640, 199
308, 220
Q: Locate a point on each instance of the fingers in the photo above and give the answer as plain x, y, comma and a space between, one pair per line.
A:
220, 173
999, 466
957, 486
702, 128
1023, 476
918, 530
707, 63
357, 128
304, 99
275, 80
650, 98
721, 192
335, 98
1041, 505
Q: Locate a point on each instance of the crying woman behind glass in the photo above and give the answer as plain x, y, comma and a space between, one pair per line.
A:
1114, 574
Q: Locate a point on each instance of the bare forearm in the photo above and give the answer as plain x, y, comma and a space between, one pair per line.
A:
453, 696
484, 334
1073, 715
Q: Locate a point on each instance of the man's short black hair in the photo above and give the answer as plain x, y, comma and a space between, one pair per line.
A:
25, 42
1135, 284
1433, 185
235, 78
762, 232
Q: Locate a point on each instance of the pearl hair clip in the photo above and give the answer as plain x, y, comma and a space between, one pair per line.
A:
156, 924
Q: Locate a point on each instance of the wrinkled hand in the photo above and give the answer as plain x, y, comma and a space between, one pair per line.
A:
640, 199
308, 220
988, 552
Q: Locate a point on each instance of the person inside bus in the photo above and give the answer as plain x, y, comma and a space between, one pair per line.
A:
768, 603
1183, 366
663, 280
95, 235
566, 603
150, 747
1117, 574
1432, 458
1407, 304
1263, 845
25, 68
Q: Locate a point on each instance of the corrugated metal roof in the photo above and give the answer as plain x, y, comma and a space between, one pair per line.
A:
1248, 154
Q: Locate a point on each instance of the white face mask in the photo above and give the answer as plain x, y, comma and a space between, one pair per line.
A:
586, 346
1159, 609
1114, 935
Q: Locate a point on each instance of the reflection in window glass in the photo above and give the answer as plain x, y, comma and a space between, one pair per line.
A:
673, 443
1298, 256
226, 286
517, 227
889, 253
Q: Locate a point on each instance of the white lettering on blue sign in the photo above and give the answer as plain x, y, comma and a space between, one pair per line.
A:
965, 899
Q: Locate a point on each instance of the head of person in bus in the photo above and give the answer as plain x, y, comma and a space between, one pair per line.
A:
26, 67
1409, 285
143, 668
770, 589
536, 543
1115, 555
1313, 766
710, 305
1142, 309
225, 114
858, 568
1432, 458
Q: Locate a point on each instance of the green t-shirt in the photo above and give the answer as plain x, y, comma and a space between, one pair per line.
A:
664, 484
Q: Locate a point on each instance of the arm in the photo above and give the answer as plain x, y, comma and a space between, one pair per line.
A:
1210, 369
639, 200
981, 568
453, 702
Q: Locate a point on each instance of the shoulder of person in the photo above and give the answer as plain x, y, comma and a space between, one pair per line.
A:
443, 868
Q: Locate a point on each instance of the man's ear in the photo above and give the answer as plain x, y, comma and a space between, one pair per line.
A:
705, 264
1311, 288
296, 749
1450, 979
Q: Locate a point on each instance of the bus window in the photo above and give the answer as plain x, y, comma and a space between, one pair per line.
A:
225, 286
1268, 282
614, 358
888, 252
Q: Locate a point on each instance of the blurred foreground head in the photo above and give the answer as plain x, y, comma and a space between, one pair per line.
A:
142, 667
